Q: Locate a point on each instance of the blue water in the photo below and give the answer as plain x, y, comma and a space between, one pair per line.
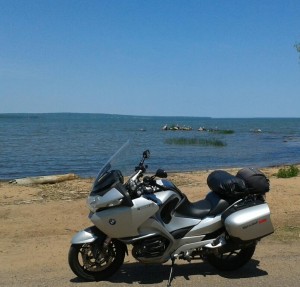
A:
43, 144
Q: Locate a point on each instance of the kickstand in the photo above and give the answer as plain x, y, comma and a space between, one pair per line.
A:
171, 272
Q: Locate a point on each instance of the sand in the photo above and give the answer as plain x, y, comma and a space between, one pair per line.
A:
37, 223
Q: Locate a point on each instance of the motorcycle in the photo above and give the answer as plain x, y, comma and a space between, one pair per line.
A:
160, 223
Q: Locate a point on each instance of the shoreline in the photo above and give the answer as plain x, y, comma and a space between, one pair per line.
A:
297, 164
237, 167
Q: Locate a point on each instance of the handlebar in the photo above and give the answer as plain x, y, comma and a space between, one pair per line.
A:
148, 185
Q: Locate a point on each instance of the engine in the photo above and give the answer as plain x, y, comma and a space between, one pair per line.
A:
150, 248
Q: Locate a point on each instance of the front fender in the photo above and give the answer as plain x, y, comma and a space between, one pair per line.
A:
87, 235
91, 234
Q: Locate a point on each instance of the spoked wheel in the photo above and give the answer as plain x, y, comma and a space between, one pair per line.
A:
95, 263
231, 260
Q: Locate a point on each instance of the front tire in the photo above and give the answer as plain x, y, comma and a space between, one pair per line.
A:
95, 263
232, 260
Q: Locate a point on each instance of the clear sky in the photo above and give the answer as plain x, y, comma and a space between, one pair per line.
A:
155, 57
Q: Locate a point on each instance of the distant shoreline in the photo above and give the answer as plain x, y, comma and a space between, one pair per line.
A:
142, 116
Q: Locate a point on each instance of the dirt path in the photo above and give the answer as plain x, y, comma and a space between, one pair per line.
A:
37, 223
42, 261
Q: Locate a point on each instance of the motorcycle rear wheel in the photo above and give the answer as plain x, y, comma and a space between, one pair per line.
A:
93, 263
231, 260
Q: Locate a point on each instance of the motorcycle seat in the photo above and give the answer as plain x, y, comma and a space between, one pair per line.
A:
218, 205
199, 209
211, 205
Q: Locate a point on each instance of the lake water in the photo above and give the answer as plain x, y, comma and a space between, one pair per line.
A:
45, 144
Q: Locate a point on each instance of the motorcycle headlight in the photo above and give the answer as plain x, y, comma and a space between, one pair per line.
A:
94, 202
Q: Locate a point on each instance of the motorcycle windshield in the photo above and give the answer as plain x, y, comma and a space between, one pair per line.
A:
112, 162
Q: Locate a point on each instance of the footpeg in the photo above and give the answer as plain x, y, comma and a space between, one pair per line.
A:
218, 242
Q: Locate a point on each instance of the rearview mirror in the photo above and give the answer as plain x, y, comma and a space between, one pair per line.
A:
161, 173
146, 154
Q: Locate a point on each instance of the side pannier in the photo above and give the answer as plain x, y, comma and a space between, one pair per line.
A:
248, 220
226, 185
256, 181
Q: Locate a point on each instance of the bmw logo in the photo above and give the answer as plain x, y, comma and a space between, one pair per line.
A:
112, 221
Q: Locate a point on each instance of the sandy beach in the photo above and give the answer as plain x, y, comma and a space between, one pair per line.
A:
38, 221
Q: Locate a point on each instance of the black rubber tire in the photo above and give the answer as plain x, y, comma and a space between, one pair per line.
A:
231, 260
115, 252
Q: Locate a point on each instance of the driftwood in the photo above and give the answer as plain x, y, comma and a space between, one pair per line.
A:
44, 179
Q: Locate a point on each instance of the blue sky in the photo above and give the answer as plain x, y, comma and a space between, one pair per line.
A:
179, 58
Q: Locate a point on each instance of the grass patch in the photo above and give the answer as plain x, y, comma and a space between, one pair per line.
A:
287, 172
287, 233
195, 142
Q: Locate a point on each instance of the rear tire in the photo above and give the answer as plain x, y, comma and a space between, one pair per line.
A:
232, 260
95, 263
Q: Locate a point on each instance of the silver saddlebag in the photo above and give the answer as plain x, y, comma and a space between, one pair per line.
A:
248, 221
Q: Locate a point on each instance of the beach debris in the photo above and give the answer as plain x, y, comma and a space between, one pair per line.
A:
44, 179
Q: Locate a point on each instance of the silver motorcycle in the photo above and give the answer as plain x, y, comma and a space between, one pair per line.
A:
160, 223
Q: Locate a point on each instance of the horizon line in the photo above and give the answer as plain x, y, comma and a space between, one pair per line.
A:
131, 115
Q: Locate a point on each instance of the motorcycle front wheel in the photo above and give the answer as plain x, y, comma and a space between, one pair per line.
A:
96, 263
232, 260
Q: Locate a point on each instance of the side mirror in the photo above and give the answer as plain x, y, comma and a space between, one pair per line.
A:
161, 173
146, 154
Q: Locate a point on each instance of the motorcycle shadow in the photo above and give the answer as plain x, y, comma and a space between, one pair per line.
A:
153, 274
